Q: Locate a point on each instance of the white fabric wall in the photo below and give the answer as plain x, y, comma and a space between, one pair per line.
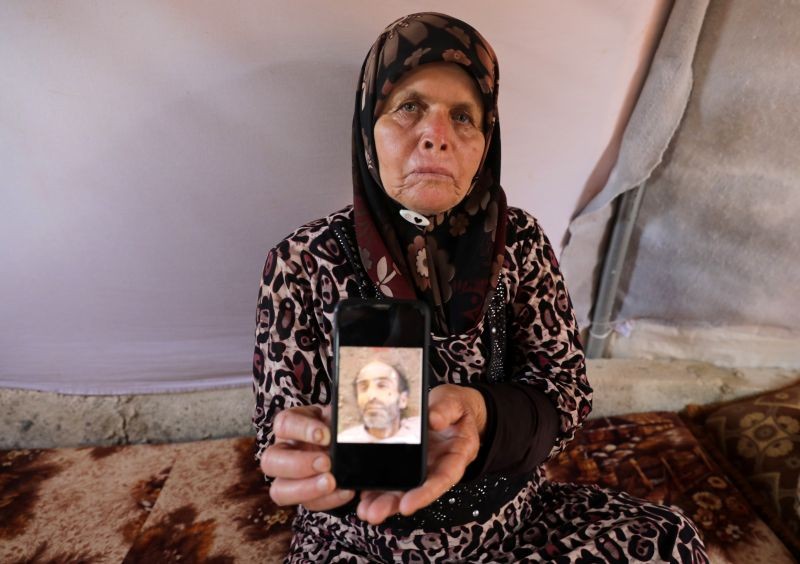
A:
152, 152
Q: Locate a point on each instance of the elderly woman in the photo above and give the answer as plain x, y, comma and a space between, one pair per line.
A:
429, 221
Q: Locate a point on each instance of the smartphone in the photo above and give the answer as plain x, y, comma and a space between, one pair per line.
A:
380, 394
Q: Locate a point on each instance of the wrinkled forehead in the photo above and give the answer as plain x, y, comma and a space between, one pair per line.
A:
377, 371
460, 87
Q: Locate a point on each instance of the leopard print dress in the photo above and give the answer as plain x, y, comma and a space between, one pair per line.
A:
304, 278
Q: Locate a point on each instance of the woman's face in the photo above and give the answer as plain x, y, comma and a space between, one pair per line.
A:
429, 138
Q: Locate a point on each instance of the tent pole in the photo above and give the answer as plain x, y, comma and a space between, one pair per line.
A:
614, 260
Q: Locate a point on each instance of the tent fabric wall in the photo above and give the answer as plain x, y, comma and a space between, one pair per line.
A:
151, 154
716, 241
652, 124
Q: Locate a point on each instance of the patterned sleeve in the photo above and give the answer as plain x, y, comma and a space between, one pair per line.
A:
290, 368
544, 341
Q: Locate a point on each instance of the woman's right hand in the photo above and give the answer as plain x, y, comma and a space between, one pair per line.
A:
299, 461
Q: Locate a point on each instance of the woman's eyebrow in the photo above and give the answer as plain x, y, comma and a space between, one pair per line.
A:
470, 107
411, 94
406, 94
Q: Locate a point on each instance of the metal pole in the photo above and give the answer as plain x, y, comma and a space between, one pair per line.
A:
614, 260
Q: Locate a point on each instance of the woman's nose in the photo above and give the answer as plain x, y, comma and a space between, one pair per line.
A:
436, 132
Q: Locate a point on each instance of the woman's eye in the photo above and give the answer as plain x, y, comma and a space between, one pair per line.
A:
462, 117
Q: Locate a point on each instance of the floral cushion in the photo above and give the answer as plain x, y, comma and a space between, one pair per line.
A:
654, 456
757, 439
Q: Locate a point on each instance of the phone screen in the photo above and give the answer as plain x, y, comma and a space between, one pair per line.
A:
380, 403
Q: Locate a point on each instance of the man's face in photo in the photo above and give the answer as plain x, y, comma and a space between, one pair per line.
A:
380, 398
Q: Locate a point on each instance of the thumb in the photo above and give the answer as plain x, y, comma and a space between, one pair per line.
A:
444, 412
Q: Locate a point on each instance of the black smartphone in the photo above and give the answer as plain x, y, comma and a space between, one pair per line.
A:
380, 398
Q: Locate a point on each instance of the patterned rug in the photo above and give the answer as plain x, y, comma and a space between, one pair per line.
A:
207, 502
655, 456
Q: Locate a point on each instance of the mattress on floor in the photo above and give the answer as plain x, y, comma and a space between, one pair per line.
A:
207, 502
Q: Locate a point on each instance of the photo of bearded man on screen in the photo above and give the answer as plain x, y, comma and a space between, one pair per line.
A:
381, 393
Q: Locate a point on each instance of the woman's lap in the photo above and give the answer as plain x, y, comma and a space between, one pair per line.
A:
558, 523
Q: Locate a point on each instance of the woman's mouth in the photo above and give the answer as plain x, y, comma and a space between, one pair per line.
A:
432, 171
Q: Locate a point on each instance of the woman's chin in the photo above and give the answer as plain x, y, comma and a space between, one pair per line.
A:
431, 203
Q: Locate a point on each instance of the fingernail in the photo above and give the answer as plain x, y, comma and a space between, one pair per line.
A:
323, 483
320, 436
344, 494
320, 464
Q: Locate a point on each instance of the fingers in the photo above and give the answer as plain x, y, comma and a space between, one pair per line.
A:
299, 463
335, 499
284, 460
317, 493
376, 506
286, 491
303, 424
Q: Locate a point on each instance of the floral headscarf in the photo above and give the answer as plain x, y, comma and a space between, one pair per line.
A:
454, 263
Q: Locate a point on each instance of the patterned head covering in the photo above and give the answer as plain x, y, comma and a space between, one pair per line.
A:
454, 263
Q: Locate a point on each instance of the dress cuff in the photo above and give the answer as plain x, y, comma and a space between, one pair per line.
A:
521, 428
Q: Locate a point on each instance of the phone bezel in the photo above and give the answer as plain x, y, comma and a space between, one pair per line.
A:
380, 466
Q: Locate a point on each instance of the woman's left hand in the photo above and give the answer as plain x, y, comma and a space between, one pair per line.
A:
456, 421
